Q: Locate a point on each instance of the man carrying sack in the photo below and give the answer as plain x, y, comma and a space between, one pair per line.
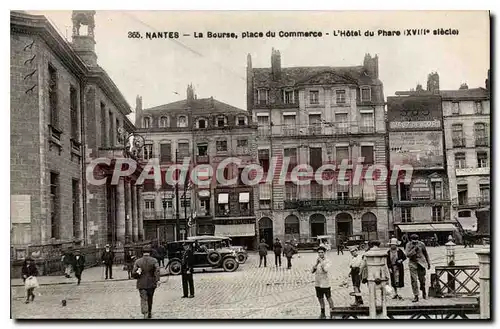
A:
419, 261
147, 272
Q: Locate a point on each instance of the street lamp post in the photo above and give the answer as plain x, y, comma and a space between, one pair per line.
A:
177, 216
164, 203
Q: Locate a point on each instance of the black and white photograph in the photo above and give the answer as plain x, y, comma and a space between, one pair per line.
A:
290, 165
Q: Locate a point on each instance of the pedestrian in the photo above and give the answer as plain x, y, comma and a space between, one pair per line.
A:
187, 265
404, 238
322, 282
29, 273
79, 265
419, 261
278, 248
356, 266
288, 251
162, 253
147, 272
68, 260
340, 245
263, 252
107, 258
395, 259
129, 262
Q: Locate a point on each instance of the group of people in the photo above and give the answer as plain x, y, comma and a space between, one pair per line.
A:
73, 262
287, 251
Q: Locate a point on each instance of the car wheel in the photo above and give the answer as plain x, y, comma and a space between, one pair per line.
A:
174, 267
362, 246
214, 258
242, 258
230, 265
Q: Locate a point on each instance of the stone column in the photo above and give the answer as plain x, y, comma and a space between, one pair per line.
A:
140, 226
135, 223
120, 212
128, 210
484, 283
377, 279
106, 127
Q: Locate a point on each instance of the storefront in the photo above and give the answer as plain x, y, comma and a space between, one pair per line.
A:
241, 234
427, 231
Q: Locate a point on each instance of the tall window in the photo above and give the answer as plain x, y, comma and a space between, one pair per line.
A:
463, 194
289, 125
292, 154
104, 131
368, 154
480, 134
478, 107
221, 146
163, 122
457, 135
165, 152
342, 192
265, 196
366, 94
288, 97
146, 122
264, 159
404, 192
314, 124
242, 143
55, 215
315, 157
482, 160
202, 149
73, 108
182, 121
290, 191
341, 153
76, 208
263, 125
262, 96
147, 152
314, 97
241, 121
340, 96
406, 214
149, 206
460, 162
202, 123
484, 192
221, 121
455, 108
341, 123
437, 214
183, 150
53, 97
367, 123
316, 190
437, 191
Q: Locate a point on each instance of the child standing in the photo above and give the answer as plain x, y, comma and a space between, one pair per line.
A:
30, 272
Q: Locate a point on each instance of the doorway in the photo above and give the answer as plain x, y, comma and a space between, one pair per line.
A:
344, 226
318, 225
266, 230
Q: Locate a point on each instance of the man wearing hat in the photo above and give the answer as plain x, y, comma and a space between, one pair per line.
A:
395, 259
419, 262
79, 265
187, 265
147, 272
322, 285
107, 258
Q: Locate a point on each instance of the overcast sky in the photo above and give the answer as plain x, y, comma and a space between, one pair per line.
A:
157, 69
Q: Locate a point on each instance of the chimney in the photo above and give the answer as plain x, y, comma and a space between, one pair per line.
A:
487, 82
463, 86
190, 93
250, 91
371, 65
433, 82
84, 44
138, 110
419, 87
276, 64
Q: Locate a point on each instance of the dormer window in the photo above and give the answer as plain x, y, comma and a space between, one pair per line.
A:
220, 121
366, 94
146, 123
163, 122
202, 124
262, 96
182, 121
241, 121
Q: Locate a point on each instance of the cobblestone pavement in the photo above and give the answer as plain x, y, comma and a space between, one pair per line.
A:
250, 292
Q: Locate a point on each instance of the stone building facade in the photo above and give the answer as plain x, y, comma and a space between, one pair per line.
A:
316, 116
467, 139
58, 96
205, 132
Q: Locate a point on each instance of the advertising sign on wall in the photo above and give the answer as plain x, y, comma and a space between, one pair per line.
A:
420, 149
414, 112
420, 189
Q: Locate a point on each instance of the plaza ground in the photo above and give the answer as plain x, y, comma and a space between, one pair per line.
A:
249, 293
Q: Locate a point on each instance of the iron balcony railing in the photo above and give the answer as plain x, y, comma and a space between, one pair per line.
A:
471, 202
482, 141
458, 142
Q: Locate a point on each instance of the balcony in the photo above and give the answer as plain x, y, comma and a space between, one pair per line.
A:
472, 202
200, 159
482, 141
315, 130
290, 131
263, 132
458, 142
323, 204
160, 215
366, 129
234, 213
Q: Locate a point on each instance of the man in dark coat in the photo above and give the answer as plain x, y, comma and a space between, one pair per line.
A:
277, 252
108, 256
263, 252
79, 265
68, 260
187, 265
147, 272
395, 259
419, 261
288, 252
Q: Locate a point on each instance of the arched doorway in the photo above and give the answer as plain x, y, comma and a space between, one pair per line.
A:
318, 225
292, 228
369, 226
344, 225
266, 230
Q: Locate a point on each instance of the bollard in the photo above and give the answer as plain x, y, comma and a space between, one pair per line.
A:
377, 279
484, 283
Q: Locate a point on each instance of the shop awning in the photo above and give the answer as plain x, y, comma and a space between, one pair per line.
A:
235, 230
443, 227
223, 198
244, 197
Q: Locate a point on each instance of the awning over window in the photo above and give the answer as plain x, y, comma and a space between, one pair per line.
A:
235, 230
223, 198
244, 197
443, 227
435, 227
369, 193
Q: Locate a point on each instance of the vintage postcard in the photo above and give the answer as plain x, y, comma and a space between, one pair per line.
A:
250, 165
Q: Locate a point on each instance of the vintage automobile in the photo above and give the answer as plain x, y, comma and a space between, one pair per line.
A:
325, 241
213, 242
224, 258
357, 240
